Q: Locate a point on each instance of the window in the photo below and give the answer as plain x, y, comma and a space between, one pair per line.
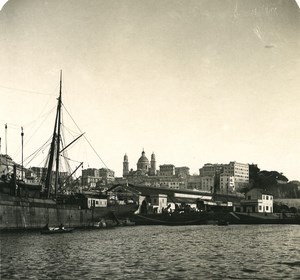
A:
267, 208
267, 197
259, 207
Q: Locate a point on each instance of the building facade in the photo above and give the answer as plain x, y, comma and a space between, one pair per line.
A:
93, 178
240, 172
211, 169
207, 183
227, 183
183, 172
194, 182
257, 201
167, 170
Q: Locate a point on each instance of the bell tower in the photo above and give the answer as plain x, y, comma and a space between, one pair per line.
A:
153, 165
125, 166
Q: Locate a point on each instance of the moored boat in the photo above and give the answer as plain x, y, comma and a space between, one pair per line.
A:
171, 219
57, 230
222, 223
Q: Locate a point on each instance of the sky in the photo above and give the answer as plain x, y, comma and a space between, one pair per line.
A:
194, 81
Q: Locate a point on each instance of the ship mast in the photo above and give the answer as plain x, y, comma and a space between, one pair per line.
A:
54, 148
58, 135
22, 136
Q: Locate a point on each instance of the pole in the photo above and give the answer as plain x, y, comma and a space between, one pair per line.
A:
6, 147
6, 138
22, 136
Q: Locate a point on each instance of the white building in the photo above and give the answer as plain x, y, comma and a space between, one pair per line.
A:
257, 201
240, 171
159, 202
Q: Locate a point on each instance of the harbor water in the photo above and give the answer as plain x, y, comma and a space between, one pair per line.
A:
155, 252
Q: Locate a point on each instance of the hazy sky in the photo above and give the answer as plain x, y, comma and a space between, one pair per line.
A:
193, 81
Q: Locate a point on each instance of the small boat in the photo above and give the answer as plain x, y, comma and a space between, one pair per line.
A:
101, 224
128, 223
57, 230
222, 223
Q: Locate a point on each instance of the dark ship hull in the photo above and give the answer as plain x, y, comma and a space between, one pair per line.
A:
264, 218
210, 218
20, 213
172, 219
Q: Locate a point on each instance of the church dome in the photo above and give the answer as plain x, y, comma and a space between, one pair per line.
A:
143, 162
143, 159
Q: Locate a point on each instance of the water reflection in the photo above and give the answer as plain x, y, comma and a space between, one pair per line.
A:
160, 252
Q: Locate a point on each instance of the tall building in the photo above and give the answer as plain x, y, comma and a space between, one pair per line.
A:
39, 172
207, 183
89, 178
107, 175
240, 172
194, 182
227, 183
125, 166
94, 172
210, 169
167, 170
183, 172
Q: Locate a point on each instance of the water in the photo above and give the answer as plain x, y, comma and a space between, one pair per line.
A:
155, 252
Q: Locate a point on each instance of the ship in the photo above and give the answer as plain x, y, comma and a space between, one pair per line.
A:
174, 207
28, 204
223, 218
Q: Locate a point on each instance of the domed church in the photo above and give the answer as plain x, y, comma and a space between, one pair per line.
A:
144, 167
143, 163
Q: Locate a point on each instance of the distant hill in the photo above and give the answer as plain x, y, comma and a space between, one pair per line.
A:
274, 182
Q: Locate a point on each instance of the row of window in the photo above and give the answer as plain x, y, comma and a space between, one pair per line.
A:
267, 208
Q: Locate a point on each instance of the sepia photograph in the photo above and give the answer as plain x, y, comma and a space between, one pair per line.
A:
149, 139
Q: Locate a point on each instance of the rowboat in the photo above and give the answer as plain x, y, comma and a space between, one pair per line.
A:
57, 230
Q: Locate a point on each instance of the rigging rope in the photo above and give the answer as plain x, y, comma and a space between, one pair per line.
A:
25, 90
46, 115
86, 138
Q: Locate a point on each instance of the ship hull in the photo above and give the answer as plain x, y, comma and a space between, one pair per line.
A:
174, 219
263, 218
18, 213
204, 218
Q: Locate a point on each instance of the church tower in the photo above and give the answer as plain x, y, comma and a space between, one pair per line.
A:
125, 166
153, 165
